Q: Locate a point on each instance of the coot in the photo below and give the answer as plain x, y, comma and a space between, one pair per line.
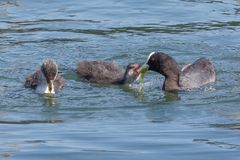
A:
46, 79
194, 75
102, 72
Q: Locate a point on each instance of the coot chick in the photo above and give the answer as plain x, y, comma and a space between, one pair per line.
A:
102, 72
194, 75
46, 79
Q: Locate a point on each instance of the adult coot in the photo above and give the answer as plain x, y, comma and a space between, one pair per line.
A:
102, 72
46, 79
194, 75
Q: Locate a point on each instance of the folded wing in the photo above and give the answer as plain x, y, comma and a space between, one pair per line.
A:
197, 74
100, 72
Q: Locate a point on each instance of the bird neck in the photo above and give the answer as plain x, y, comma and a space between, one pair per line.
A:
171, 84
43, 86
124, 79
171, 81
51, 87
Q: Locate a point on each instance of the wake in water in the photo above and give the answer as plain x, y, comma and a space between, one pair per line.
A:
147, 85
154, 83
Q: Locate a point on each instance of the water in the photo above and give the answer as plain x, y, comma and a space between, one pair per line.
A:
87, 121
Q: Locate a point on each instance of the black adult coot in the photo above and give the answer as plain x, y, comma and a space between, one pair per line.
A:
46, 79
194, 75
102, 72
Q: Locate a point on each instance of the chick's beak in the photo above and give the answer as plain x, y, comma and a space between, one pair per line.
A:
137, 69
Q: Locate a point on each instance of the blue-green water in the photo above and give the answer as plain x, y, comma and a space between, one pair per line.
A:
87, 121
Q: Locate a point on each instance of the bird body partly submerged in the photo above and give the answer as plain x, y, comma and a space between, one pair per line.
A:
197, 74
46, 79
102, 72
194, 75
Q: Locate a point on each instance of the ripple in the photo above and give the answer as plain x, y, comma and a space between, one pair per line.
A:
218, 144
49, 40
203, 1
4, 3
111, 122
228, 126
32, 121
157, 28
42, 21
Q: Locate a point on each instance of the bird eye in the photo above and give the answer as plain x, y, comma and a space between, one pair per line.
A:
152, 59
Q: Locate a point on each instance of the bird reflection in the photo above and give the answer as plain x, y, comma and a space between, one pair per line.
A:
49, 100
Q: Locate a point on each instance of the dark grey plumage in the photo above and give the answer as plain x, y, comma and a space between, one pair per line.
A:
32, 80
195, 75
50, 70
47, 74
102, 72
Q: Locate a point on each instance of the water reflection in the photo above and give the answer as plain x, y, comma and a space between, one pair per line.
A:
218, 144
23, 27
32, 121
49, 100
164, 96
203, 1
9, 149
228, 126
171, 96
9, 3
153, 123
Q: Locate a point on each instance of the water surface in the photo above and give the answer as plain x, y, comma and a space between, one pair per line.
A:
90, 121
